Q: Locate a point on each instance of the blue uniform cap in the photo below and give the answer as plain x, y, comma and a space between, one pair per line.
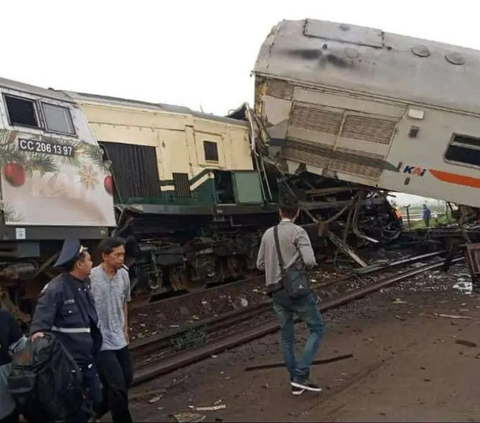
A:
71, 249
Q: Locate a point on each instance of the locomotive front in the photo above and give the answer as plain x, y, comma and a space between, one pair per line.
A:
54, 185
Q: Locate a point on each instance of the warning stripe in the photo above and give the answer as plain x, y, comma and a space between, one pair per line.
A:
454, 178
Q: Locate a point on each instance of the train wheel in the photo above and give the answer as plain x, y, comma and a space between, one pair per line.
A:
180, 280
236, 266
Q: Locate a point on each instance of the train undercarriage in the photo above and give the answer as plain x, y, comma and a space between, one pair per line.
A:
178, 249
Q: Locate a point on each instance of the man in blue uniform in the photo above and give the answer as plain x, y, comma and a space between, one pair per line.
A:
66, 308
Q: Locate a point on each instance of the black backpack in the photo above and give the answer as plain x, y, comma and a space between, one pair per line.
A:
45, 381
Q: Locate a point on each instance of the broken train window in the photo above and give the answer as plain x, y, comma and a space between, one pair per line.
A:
211, 151
464, 149
58, 119
21, 111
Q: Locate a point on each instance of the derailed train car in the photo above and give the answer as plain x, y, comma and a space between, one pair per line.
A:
188, 198
191, 199
372, 108
182, 187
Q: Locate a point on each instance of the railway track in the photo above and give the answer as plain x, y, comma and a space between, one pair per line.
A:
147, 303
155, 356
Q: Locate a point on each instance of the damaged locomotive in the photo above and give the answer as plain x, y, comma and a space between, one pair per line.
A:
188, 191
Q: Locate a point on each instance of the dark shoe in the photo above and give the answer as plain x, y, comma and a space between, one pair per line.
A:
297, 391
306, 385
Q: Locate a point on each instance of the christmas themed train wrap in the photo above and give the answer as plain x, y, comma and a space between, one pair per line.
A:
53, 173
54, 181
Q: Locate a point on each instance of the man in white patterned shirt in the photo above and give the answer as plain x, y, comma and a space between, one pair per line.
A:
111, 291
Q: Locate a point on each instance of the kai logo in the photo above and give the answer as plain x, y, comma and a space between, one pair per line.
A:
414, 170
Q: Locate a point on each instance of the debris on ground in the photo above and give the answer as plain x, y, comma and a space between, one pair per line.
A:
416, 363
212, 408
155, 399
189, 417
452, 316
469, 344
464, 286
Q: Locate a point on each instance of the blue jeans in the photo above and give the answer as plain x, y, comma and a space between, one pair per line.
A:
306, 308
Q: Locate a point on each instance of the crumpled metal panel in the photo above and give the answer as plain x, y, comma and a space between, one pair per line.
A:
357, 163
341, 159
304, 152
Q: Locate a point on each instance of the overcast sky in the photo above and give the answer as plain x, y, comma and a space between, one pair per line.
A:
197, 54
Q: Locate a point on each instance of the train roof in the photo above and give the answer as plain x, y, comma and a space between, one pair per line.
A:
372, 61
152, 106
72, 97
32, 89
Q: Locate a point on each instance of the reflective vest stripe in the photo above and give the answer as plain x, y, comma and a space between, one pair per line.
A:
71, 330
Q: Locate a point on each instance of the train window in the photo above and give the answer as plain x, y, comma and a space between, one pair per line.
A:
58, 119
464, 149
211, 151
21, 111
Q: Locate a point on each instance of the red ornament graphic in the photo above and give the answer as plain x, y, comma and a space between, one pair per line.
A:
108, 184
14, 174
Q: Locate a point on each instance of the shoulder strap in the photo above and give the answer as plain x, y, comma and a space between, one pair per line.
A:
279, 252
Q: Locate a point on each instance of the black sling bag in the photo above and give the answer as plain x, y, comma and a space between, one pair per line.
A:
295, 282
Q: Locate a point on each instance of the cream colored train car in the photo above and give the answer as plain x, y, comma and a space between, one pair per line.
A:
374, 108
172, 155
190, 202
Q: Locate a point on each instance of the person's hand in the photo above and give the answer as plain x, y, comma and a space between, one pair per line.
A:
127, 336
37, 335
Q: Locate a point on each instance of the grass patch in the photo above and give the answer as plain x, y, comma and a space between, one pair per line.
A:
190, 339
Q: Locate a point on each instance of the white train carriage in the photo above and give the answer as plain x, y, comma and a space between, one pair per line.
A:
373, 108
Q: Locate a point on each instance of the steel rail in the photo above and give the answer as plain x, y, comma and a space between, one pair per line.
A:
153, 343
183, 359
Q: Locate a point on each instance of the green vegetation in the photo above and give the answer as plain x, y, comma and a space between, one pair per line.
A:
421, 224
189, 339
416, 217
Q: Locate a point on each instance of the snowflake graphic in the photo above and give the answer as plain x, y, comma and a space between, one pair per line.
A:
9, 213
88, 177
